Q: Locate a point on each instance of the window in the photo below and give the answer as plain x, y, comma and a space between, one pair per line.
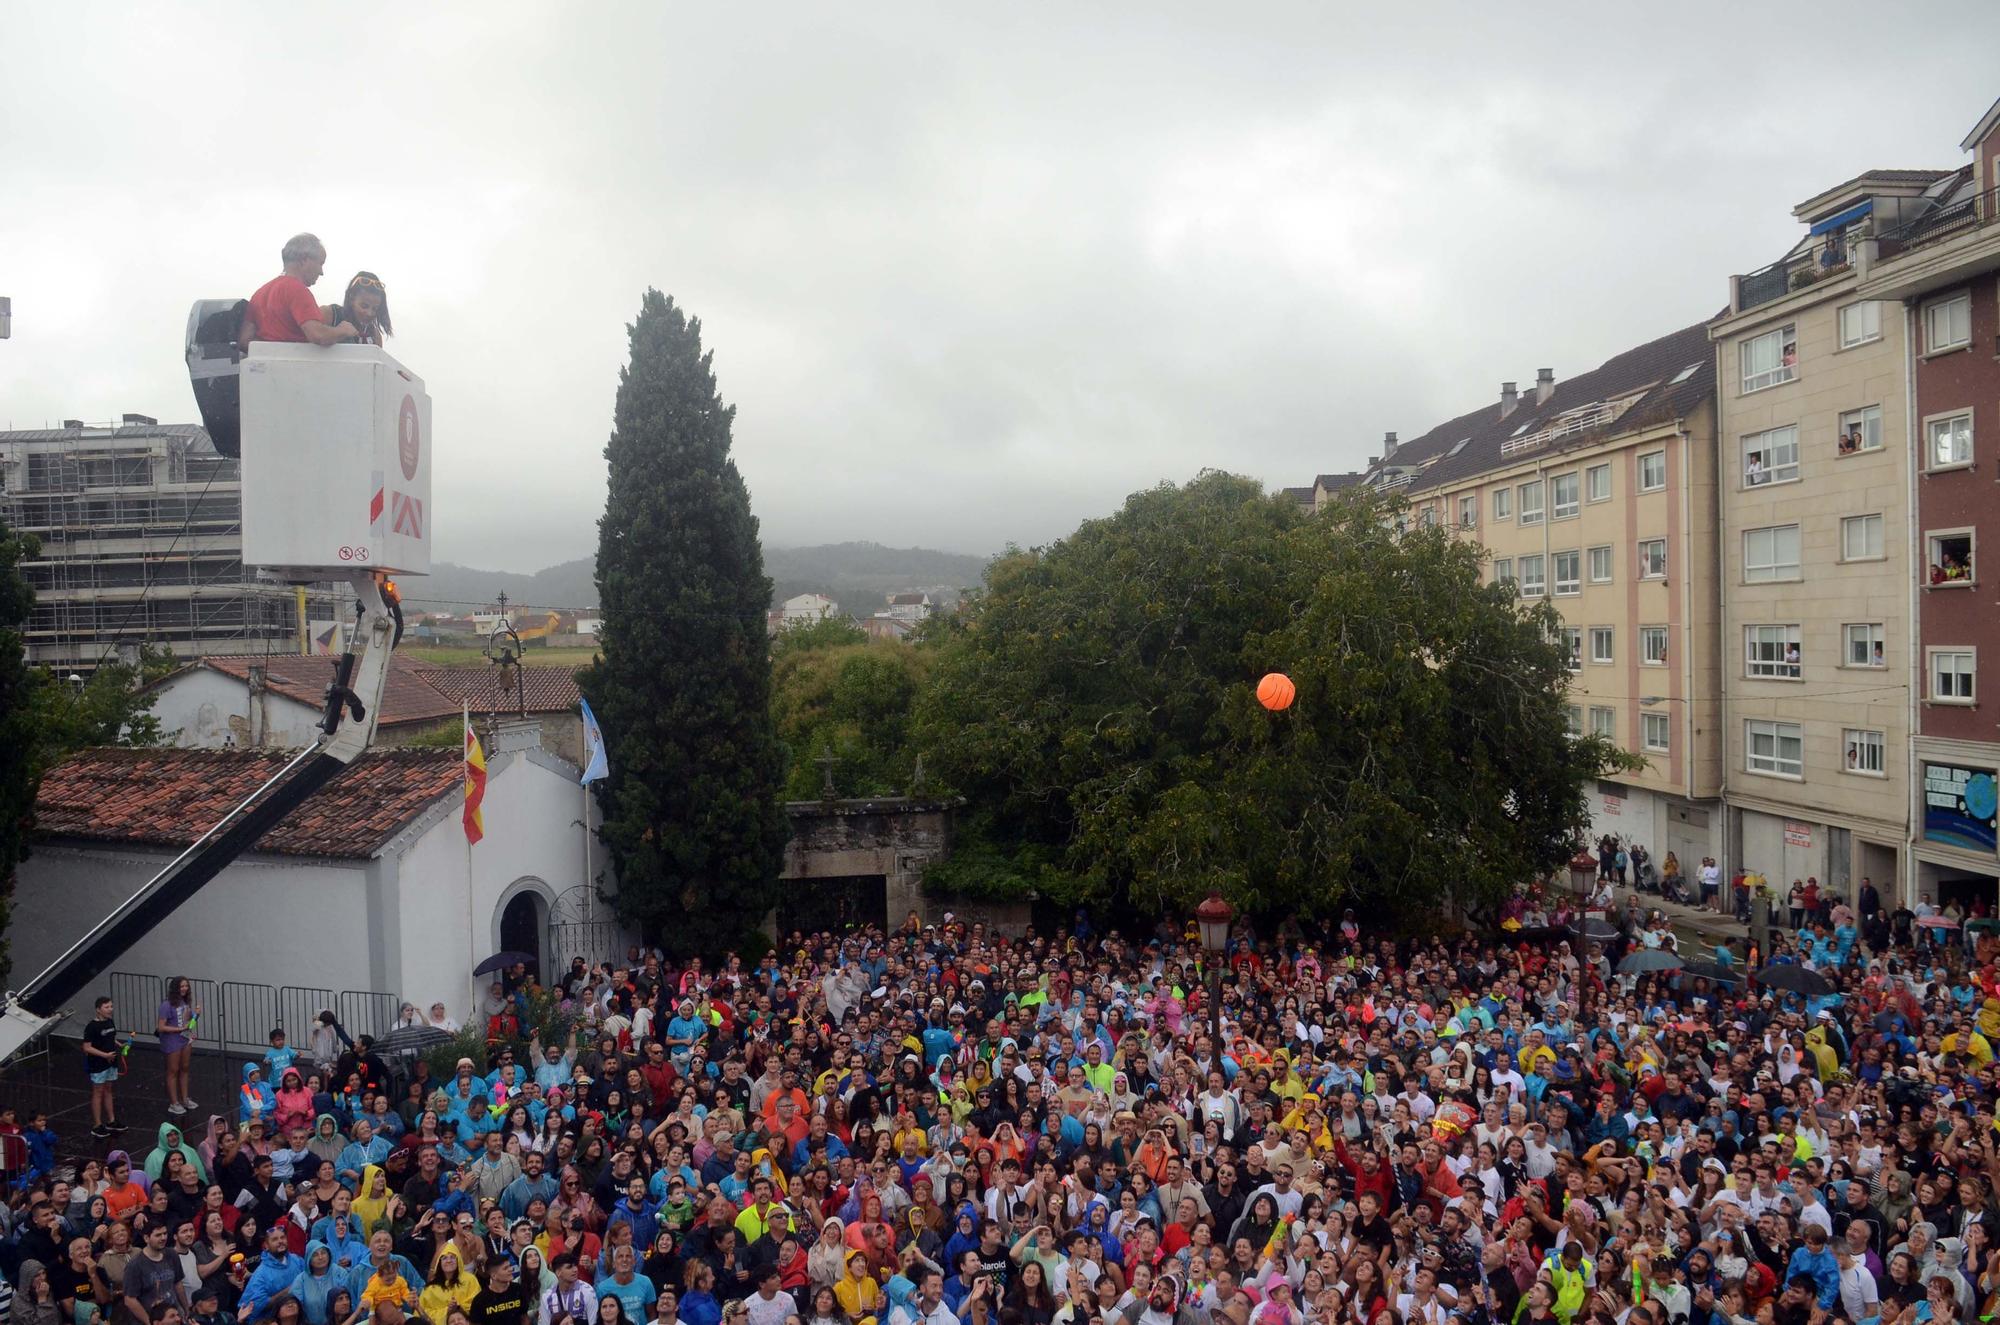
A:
1864, 752
1569, 573
1777, 748
1771, 457
1769, 359
1468, 510
1653, 646
1600, 564
1531, 502
1951, 676
1653, 559
1861, 538
1861, 430
1503, 503
1652, 471
1948, 442
1654, 730
1948, 323
1604, 722
1771, 651
1951, 559
1426, 518
1597, 483
1572, 646
1503, 570
1771, 553
1564, 495
1861, 645
1600, 643
1572, 720
1533, 583
1860, 323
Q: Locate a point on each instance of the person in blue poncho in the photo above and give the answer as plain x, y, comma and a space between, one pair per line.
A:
316, 1283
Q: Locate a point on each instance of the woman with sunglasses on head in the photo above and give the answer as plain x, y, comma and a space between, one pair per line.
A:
366, 307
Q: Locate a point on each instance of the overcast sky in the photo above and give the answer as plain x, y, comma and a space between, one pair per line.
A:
970, 273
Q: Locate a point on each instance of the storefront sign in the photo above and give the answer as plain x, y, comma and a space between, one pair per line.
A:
1959, 807
1797, 834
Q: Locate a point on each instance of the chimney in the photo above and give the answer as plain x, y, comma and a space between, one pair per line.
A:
1388, 446
1545, 385
1509, 398
141, 421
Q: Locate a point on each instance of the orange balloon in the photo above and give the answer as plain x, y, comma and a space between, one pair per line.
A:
1276, 691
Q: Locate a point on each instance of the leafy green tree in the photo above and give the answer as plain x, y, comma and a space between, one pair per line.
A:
1097, 709
824, 633
682, 687
113, 707
20, 771
853, 701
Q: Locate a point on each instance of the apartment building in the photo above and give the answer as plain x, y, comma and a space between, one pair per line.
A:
1599, 495
1938, 276
1814, 451
140, 526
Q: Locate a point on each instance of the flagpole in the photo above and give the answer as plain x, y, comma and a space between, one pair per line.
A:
590, 887
471, 938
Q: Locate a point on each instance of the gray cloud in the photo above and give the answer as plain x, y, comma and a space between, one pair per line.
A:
969, 276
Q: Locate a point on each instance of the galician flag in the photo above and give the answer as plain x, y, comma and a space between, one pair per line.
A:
475, 782
596, 765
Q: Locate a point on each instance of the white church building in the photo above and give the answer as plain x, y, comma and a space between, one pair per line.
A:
369, 889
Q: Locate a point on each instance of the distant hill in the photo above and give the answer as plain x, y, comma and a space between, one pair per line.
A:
855, 575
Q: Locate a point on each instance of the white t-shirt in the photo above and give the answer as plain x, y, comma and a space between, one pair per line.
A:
773, 1312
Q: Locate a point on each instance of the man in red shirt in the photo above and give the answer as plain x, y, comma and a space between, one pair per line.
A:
283, 308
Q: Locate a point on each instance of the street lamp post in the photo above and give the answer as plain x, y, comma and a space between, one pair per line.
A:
1582, 874
1212, 917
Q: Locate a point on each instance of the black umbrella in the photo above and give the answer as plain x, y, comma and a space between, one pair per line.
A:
1649, 959
500, 961
411, 1039
1795, 979
1712, 971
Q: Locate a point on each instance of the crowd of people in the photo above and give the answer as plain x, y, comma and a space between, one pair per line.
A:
941, 1126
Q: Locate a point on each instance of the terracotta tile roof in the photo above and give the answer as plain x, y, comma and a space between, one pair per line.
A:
491, 689
169, 798
407, 698
417, 692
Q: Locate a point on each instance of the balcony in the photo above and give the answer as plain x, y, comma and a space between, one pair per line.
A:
1822, 257
1950, 243
1569, 423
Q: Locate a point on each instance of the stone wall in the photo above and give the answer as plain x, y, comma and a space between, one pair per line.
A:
895, 837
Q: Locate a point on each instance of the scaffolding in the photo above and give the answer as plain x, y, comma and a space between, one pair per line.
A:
140, 525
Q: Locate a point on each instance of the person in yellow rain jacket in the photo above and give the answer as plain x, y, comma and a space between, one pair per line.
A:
1572, 1276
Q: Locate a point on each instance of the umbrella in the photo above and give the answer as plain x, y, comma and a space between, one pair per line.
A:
500, 961
1937, 922
1797, 979
1649, 959
1712, 970
1601, 931
411, 1039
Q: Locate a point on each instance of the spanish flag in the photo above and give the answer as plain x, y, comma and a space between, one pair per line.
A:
475, 782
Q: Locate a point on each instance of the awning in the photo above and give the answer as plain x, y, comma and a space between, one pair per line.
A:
1840, 220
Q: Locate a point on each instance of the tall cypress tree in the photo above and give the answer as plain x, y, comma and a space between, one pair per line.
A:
682, 689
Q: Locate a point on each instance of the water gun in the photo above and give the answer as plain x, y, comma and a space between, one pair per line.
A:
1280, 1236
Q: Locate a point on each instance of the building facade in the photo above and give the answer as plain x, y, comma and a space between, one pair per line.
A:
1938, 276
140, 526
1598, 495
1814, 456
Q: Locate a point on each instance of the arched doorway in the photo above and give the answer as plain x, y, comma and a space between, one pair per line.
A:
522, 927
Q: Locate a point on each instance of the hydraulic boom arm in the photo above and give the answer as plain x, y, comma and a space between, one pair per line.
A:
353, 704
